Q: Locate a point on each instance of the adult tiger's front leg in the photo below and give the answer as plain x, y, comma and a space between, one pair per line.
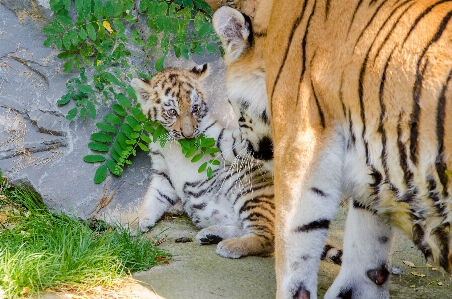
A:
366, 263
306, 203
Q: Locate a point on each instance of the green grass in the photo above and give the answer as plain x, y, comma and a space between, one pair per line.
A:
40, 250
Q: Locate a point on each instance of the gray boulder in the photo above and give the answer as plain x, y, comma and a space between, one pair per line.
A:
40, 148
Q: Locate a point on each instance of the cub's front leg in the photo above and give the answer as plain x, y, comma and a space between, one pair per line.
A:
160, 196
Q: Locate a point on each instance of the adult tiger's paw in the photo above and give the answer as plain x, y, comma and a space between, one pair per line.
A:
372, 284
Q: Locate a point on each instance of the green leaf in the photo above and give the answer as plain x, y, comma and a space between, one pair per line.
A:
143, 147
64, 99
113, 167
91, 110
448, 173
185, 143
146, 138
197, 157
74, 37
91, 32
212, 150
119, 110
67, 67
58, 43
139, 114
159, 63
101, 174
82, 34
118, 148
207, 142
115, 155
131, 92
83, 113
151, 42
65, 54
49, 41
67, 41
93, 158
106, 128
215, 162
97, 146
206, 28
211, 48
159, 131
112, 118
132, 121
122, 99
85, 88
72, 113
202, 167
191, 151
63, 20
209, 172
127, 129
101, 137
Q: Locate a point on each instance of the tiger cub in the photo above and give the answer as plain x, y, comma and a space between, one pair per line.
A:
234, 207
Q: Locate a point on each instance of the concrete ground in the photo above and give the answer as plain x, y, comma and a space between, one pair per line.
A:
197, 272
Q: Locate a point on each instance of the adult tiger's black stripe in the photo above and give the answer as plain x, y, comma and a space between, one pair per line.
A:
327, 8
381, 129
289, 44
303, 49
440, 114
351, 132
407, 174
341, 95
420, 17
319, 109
442, 239
414, 132
315, 225
440, 207
393, 26
361, 107
369, 22
378, 179
354, 15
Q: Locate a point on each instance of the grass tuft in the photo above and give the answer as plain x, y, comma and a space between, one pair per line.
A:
40, 250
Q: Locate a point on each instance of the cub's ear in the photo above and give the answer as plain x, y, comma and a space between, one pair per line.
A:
234, 30
201, 71
144, 93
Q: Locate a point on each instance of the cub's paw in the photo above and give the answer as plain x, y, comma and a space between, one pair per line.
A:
205, 237
231, 248
145, 225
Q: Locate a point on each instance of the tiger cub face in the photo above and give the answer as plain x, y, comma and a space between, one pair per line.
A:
176, 99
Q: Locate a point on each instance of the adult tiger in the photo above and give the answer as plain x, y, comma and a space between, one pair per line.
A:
360, 99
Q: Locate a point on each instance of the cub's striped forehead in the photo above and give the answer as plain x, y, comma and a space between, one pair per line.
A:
177, 85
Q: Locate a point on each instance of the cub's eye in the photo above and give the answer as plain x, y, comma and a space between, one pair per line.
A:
172, 112
195, 108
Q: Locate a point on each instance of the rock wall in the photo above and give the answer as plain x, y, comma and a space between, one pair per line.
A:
39, 147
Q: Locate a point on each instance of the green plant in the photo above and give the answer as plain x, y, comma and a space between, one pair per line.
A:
99, 38
42, 250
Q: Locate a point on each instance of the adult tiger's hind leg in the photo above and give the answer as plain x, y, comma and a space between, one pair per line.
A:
366, 263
